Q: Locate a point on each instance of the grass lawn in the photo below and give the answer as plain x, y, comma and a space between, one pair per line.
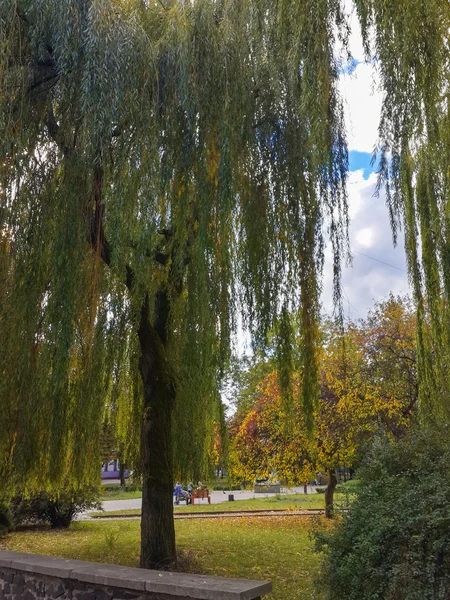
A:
118, 493
287, 502
277, 549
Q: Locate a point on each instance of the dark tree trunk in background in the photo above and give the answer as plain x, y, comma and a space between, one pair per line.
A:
329, 494
157, 524
122, 468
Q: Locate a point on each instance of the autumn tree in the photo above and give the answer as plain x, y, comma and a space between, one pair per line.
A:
369, 384
164, 164
268, 439
368, 392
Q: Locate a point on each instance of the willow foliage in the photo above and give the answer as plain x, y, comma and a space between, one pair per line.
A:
410, 39
191, 147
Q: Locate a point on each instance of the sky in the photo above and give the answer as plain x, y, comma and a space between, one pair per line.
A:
377, 267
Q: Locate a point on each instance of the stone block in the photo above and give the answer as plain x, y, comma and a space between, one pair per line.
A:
83, 595
43, 565
112, 576
40, 588
103, 594
17, 590
54, 590
28, 595
124, 595
201, 587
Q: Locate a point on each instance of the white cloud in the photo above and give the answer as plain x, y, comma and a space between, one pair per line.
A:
360, 92
355, 42
366, 237
362, 107
378, 268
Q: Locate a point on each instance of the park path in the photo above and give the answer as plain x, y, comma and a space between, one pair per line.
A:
216, 498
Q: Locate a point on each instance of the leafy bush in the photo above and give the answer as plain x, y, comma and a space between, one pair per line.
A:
117, 489
350, 487
6, 521
59, 510
134, 487
394, 543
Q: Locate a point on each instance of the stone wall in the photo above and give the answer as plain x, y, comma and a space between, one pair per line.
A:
35, 577
16, 585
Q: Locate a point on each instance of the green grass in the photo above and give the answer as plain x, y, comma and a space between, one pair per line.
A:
289, 502
277, 549
116, 492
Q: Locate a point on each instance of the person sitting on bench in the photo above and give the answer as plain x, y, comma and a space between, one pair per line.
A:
180, 494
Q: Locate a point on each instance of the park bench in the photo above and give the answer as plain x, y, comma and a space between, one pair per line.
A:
24, 576
200, 495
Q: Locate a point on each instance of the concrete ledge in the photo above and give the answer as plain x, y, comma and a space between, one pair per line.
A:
143, 582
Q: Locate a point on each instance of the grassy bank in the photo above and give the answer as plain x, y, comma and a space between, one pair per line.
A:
278, 549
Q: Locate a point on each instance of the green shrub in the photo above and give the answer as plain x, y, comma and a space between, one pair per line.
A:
350, 487
57, 510
134, 487
394, 543
117, 489
6, 521
112, 488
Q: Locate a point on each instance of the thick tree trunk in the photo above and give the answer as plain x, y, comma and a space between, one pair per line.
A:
157, 524
329, 494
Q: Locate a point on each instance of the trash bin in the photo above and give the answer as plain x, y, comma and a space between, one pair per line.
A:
230, 497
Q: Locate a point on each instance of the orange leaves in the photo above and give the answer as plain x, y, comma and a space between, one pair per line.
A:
262, 445
368, 388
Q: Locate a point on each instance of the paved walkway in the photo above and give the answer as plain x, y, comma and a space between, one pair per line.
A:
216, 498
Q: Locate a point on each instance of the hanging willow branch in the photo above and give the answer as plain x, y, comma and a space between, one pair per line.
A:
182, 157
411, 42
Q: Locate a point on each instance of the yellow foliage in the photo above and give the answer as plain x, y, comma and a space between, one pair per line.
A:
368, 390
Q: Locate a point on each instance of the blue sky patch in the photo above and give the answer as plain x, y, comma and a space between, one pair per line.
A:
348, 67
361, 160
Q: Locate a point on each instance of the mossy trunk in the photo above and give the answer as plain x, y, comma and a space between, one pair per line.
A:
157, 524
329, 494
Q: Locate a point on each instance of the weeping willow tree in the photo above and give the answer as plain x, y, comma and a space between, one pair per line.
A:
164, 165
410, 40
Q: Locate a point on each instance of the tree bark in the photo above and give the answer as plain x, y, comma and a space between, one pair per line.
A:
157, 524
329, 494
